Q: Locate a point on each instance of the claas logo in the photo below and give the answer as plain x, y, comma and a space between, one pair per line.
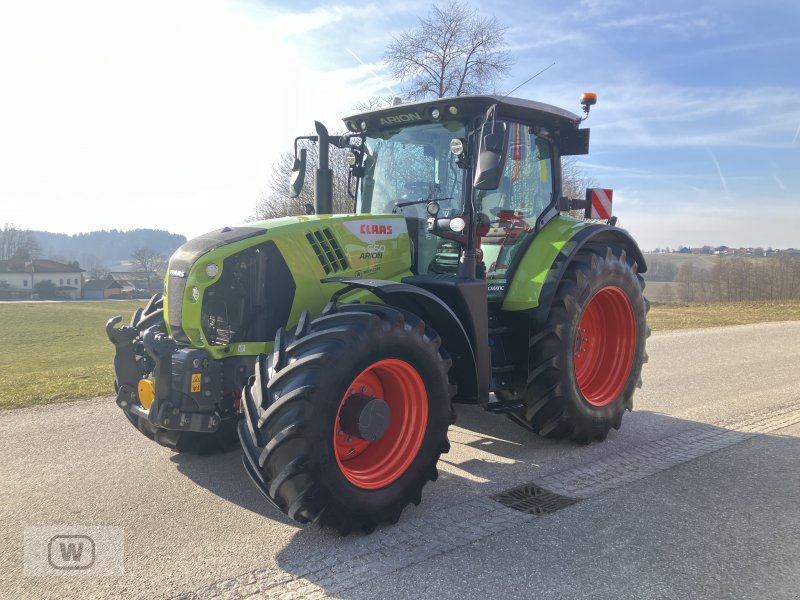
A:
376, 229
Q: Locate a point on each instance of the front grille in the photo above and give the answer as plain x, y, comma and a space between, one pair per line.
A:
181, 263
176, 285
251, 299
328, 251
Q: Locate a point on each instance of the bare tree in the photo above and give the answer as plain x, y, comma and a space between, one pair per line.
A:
18, 243
374, 103
150, 264
452, 52
739, 278
574, 182
275, 201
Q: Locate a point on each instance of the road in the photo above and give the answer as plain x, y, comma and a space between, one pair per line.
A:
695, 497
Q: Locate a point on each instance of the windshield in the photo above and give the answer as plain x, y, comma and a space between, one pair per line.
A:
412, 164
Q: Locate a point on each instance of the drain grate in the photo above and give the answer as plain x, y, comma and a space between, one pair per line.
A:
532, 499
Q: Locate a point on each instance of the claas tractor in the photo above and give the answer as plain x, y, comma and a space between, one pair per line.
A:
333, 346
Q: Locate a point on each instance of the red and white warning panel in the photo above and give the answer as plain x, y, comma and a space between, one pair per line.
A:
598, 203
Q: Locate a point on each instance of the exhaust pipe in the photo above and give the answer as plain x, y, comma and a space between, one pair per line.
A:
323, 181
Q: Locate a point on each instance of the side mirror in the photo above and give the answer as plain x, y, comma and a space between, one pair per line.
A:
491, 155
298, 174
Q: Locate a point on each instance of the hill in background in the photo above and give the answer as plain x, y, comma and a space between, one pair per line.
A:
105, 248
680, 277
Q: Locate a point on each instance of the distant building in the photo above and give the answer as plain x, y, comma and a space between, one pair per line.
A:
133, 281
100, 289
18, 277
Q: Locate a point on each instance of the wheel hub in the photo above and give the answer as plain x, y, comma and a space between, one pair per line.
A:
365, 417
387, 401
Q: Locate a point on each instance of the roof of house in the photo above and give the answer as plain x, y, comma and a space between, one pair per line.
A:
39, 265
100, 284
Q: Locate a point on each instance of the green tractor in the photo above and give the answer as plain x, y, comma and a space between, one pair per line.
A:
336, 345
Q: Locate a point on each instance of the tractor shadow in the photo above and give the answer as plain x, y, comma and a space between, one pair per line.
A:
487, 452
224, 476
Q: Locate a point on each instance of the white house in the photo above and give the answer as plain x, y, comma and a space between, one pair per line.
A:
18, 277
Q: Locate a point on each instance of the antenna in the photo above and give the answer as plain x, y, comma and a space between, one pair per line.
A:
529, 79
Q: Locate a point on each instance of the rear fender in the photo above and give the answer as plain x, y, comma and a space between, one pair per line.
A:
534, 281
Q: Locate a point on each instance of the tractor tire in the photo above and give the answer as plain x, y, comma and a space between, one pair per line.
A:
586, 360
221, 440
345, 421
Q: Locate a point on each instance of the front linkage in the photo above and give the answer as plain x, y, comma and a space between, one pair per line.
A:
170, 394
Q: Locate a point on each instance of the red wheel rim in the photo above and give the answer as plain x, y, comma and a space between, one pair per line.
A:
373, 465
604, 346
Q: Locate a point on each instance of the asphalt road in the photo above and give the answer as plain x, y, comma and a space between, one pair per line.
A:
698, 495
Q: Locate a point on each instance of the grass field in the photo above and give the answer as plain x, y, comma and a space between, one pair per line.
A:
690, 316
51, 352
54, 352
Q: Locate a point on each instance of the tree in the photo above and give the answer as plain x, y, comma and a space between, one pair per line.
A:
574, 180
276, 201
18, 243
375, 103
150, 264
452, 52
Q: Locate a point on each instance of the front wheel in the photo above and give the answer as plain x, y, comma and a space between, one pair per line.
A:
586, 359
346, 419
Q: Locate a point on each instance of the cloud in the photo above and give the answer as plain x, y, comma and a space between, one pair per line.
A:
678, 22
378, 78
719, 172
682, 116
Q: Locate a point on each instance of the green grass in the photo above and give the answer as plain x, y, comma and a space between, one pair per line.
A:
53, 352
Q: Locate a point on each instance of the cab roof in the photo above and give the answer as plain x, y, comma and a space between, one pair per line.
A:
515, 109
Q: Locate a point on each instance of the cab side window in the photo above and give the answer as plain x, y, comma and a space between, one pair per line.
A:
510, 211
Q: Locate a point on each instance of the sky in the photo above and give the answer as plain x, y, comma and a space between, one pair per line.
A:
168, 114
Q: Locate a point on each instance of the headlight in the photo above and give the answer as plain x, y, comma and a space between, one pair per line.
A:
195, 294
212, 269
458, 224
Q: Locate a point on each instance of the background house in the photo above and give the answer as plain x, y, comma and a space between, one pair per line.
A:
100, 289
21, 278
136, 282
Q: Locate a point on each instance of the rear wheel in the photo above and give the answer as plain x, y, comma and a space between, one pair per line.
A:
586, 360
346, 419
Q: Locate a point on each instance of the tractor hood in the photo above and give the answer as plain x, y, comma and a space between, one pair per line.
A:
229, 290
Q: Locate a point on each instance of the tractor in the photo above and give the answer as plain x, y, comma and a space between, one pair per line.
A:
333, 346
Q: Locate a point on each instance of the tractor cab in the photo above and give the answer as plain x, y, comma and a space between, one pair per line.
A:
474, 176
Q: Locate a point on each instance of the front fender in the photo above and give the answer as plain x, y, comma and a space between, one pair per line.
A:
463, 346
